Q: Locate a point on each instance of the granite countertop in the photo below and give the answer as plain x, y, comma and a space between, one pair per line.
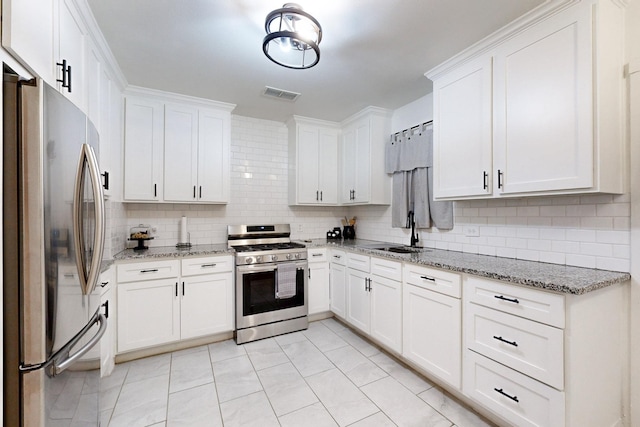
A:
553, 277
173, 252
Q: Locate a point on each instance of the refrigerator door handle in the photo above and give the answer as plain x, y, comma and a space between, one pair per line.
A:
61, 359
88, 279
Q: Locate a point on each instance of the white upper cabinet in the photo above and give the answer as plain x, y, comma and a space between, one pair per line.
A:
536, 108
27, 33
313, 162
467, 92
180, 153
364, 136
71, 51
177, 148
214, 142
143, 151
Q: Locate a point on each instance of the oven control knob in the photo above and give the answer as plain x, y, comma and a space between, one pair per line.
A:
297, 255
248, 260
288, 256
274, 257
259, 258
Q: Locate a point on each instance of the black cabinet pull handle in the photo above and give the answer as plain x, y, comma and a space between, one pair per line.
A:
153, 270
513, 343
200, 196
514, 398
500, 174
176, 288
182, 288
103, 284
63, 66
106, 308
309, 274
320, 195
194, 191
317, 194
503, 298
431, 279
208, 265
155, 190
105, 175
69, 78
485, 180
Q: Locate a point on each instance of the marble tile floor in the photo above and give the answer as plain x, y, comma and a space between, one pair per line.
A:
324, 376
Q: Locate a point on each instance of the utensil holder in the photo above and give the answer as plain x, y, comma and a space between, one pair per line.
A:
349, 232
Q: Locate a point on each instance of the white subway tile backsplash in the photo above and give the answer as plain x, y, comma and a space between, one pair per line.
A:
583, 230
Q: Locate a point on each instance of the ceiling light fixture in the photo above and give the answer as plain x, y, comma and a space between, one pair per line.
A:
292, 37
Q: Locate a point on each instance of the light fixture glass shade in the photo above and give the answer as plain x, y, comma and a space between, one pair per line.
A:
292, 37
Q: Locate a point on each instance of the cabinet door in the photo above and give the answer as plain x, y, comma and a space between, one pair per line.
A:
356, 166
108, 341
462, 131
358, 304
207, 305
71, 48
328, 166
386, 312
148, 314
349, 150
432, 333
213, 156
27, 32
362, 164
338, 289
543, 98
143, 149
180, 153
318, 287
308, 165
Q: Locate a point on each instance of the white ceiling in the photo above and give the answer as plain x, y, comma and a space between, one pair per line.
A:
373, 52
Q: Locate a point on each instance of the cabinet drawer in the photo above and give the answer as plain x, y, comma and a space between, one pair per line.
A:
543, 307
206, 265
358, 261
524, 345
440, 281
338, 257
515, 397
148, 271
317, 255
386, 268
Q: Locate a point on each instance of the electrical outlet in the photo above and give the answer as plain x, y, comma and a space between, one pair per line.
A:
471, 230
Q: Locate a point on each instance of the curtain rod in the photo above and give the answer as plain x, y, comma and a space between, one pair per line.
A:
415, 127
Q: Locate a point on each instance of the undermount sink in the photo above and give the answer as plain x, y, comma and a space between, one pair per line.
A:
400, 249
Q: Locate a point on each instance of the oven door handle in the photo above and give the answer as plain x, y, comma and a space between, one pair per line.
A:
256, 268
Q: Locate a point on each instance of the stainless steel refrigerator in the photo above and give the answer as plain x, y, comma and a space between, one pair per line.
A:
53, 242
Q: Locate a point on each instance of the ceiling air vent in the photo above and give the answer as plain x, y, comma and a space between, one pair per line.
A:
280, 94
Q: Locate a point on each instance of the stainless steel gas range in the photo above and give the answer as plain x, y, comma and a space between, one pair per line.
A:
271, 281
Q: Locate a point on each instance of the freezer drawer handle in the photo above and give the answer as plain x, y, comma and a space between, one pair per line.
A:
61, 359
513, 343
503, 298
514, 398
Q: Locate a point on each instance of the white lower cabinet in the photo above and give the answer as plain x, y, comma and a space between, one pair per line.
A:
108, 344
432, 317
338, 283
374, 298
319, 298
160, 310
540, 358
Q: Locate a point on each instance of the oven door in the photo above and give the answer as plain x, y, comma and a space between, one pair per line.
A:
256, 301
